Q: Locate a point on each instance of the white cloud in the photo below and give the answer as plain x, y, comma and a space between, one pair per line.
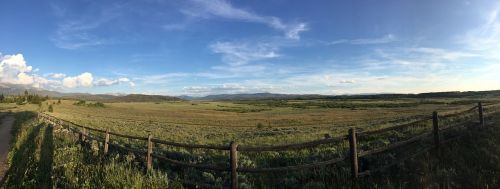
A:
55, 75
347, 81
75, 32
485, 39
13, 70
224, 9
236, 54
228, 88
82, 80
443, 54
109, 82
293, 32
365, 41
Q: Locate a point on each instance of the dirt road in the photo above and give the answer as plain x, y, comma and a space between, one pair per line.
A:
5, 137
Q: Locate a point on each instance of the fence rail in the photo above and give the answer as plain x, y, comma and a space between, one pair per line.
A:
233, 148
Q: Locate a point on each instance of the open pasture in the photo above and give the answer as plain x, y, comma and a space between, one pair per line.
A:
251, 122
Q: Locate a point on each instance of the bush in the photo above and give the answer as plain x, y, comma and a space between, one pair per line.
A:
260, 125
51, 109
80, 103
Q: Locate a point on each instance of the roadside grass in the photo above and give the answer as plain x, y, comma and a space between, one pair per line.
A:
45, 157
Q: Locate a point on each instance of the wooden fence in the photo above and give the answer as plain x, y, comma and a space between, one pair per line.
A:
352, 137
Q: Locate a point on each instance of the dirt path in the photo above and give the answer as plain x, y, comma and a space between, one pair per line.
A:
5, 136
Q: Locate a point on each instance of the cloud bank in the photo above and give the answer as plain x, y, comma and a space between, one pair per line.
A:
15, 70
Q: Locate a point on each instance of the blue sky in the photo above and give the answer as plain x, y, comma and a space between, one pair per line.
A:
201, 47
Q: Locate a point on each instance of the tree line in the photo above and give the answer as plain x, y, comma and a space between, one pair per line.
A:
25, 98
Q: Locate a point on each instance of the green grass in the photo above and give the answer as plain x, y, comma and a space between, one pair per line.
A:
43, 157
472, 161
249, 123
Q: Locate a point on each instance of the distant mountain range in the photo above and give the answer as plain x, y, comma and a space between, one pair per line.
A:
273, 96
257, 96
17, 89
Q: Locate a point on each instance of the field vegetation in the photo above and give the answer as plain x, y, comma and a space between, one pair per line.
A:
47, 157
251, 122
259, 123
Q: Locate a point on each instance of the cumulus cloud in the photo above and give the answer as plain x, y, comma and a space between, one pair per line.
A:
82, 80
56, 75
14, 70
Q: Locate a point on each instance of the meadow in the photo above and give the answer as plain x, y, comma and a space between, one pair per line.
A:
251, 122
254, 123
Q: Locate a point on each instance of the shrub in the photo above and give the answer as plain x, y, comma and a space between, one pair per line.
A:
260, 125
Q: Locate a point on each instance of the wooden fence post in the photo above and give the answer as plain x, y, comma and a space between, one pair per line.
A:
353, 153
149, 153
435, 126
83, 135
481, 117
234, 165
106, 141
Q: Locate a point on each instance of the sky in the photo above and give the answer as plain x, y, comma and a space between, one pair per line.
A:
203, 47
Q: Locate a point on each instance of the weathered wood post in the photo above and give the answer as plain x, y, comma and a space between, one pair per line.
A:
481, 117
83, 135
435, 126
149, 159
234, 164
353, 153
106, 142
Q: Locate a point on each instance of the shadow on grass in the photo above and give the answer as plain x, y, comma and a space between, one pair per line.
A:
30, 140
46, 158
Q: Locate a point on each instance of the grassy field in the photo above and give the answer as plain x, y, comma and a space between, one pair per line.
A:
249, 122
46, 157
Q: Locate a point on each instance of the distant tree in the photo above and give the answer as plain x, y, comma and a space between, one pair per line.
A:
80, 103
35, 99
51, 109
59, 101
20, 100
2, 98
99, 104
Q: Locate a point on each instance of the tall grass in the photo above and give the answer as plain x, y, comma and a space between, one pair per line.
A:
44, 157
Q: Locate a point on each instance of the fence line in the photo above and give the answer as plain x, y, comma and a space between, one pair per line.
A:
233, 147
